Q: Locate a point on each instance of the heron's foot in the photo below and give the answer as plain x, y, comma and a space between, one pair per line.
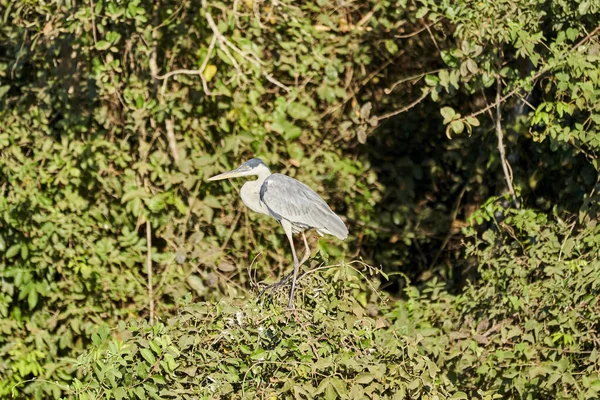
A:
277, 285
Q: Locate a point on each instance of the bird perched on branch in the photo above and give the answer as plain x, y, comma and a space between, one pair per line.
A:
296, 206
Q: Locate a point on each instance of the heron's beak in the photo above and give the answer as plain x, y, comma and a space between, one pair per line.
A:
225, 175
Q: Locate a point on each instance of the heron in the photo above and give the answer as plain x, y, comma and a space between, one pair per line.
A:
295, 205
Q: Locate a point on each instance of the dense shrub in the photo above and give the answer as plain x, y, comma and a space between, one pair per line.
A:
112, 114
529, 327
331, 346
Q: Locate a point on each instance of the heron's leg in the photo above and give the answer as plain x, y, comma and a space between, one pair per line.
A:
307, 251
287, 227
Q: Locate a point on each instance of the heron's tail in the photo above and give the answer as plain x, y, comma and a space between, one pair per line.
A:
336, 227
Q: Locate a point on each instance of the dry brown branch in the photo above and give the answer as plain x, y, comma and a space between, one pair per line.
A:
14, 67
366, 18
424, 28
500, 136
225, 44
198, 71
585, 39
411, 78
149, 270
93, 22
256, 9
171, 138
432, 37
404, 109
409, 35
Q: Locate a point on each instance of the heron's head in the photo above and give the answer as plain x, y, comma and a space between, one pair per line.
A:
254, 166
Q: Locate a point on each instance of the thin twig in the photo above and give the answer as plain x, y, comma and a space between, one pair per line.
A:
256, 10
149, 270
425, 27
585, 39
524, 100
226, 43
500, 136
93, 22
449, 235
432, 38
562, 246
12, 71
411, 78
231, 230
533, 79
171, 138
253, 283
199, 71
409, 35
404, 109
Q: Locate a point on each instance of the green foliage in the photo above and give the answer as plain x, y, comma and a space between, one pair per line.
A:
529, 328
333, 346
112, 114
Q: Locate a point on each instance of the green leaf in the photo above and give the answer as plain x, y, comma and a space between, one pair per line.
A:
459, 396
3, 90
13, 250
119, 393
32, 298
457, 126
583, 8
421, 12
572, 34
391, 46
473, 121
209, 72
431, 80
140, 392
24, 252
299, 111
364, 378
148, 356
103, 45
448, 113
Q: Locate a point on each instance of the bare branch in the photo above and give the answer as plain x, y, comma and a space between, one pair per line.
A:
409, 35
171, 138
149, 270
199, 71
93, 22
404, 109
500, 136
588, 37
224, 42
533, 79
432, 37
449, 234
411, 78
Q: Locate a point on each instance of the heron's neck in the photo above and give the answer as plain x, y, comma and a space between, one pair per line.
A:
250, 192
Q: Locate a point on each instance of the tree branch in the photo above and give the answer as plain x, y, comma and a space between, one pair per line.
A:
500, 136
169, 125
149, 269
534, 78
226, 43
404, 109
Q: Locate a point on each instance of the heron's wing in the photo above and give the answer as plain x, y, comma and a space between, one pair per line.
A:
287, 198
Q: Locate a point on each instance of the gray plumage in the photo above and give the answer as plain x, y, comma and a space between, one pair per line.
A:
296, 206
288, 198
